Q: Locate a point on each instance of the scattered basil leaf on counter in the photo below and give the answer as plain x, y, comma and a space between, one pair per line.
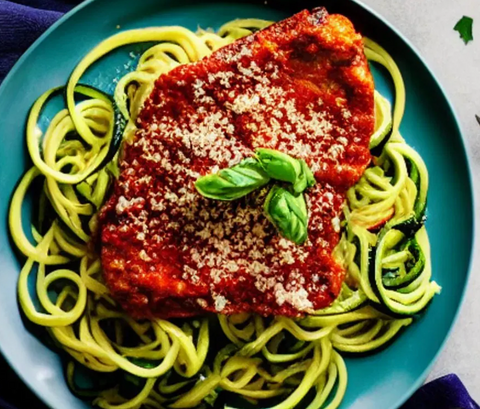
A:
465, 28
283, 167
233, 183
288, 213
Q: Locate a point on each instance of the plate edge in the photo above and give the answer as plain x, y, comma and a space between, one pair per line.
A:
473, 199
459, 127
3, 85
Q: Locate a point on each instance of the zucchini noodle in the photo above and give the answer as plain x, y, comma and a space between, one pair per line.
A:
272, 362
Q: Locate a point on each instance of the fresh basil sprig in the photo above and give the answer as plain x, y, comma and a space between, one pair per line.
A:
305, 179
233, 183
288, 213
283, 167
285, 206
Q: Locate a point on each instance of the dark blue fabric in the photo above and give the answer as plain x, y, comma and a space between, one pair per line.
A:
21, 22
447, 392
5, 405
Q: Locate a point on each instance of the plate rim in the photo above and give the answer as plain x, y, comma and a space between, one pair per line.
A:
464, 152
419, 382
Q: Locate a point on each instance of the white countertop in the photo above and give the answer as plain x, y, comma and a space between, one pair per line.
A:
428, 24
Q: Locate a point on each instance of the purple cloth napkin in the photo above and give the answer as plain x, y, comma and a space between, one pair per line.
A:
21, 22
447, 392
5, 405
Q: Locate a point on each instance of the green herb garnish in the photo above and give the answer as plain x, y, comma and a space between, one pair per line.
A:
279, 165
283, 167
233, 183
305, 180
284, 206
465, 28
288, 213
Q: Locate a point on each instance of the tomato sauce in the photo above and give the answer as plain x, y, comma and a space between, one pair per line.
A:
301, 86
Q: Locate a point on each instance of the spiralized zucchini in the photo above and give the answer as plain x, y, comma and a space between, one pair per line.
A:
179, 365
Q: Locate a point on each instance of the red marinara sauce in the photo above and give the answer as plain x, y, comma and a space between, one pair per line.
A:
301, 86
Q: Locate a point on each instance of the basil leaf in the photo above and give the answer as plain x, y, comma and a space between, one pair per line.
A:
283, 167
465, 28
288, 213
305, 179
233, 183
278, 165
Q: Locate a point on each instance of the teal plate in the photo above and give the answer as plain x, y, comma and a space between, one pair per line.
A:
383, 380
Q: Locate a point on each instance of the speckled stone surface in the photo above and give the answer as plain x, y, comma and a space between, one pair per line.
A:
428, 24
